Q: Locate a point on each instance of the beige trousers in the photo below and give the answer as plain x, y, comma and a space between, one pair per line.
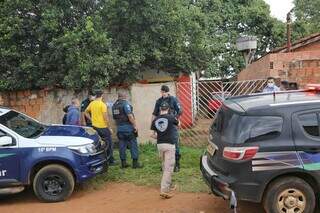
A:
167, 155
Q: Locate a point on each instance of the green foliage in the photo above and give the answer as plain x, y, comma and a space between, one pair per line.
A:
307, 17
227, 20
189, 179
86, 43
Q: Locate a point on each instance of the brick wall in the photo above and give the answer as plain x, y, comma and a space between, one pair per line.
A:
279, 65
28, 102
260, 69
304, 72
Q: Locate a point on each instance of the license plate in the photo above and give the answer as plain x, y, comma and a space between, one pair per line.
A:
211, 149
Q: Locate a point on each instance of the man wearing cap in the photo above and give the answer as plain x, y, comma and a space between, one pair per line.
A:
97, 113
127, 130
176, 111
84, 104
164, 128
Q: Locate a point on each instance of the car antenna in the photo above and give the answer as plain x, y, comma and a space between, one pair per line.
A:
274, 96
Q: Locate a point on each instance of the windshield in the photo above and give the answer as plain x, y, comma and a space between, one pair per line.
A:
21, 124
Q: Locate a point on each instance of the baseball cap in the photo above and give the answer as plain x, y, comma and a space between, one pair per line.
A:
164, 88
164, 105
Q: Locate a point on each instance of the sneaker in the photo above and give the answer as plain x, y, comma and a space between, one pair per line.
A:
166, 195
173, 187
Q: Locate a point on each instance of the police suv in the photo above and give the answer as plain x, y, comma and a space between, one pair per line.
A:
266, 148
51, 158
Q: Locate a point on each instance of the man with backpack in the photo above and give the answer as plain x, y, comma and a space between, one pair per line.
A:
176, 111
164, 128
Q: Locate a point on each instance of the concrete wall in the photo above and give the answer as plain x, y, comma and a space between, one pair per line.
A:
144, 97
46, 106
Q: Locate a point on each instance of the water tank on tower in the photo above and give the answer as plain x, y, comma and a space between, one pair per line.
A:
247, 45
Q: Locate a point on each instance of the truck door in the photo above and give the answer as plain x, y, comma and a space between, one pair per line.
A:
9, 161
306, 134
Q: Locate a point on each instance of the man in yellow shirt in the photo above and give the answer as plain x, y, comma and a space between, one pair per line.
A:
98, 114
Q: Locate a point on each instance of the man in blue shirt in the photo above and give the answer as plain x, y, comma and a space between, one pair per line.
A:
73, 114
175, 110
127, 130
271, 86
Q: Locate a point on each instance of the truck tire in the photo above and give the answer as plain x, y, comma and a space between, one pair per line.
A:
289, 194
53, 183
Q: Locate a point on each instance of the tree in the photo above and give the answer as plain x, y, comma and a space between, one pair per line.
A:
307, 17
30, 35
227, 20
86, 43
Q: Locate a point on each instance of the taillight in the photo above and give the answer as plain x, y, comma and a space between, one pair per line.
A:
240, 153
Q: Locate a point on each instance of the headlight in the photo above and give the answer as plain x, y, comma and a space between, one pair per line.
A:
85, 149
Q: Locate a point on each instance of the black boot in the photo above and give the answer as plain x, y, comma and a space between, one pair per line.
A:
177, 164
136, 164
124, 164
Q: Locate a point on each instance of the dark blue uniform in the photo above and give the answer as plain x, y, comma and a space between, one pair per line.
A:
125, 130
175, 109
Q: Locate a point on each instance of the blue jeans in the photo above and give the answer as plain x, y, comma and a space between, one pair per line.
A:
128, 139
105, 135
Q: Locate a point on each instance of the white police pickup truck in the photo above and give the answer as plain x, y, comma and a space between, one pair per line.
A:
51, 158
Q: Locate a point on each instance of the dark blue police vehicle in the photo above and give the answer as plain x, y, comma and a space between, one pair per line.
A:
51, 158
266, 148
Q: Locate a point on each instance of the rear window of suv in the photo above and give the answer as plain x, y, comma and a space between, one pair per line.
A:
236, 128
309, 123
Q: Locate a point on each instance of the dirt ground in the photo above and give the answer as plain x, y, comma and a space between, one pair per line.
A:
123, 198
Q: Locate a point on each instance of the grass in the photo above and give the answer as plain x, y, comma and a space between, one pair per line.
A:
189, 179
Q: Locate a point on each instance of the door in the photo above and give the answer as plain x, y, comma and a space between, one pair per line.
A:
306, 133
9, 162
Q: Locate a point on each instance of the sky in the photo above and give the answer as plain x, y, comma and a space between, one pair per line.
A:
280, 8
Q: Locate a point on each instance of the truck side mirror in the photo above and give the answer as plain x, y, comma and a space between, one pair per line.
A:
5, 140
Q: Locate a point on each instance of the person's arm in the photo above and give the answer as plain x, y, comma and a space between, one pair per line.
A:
82, 114
87, 112
155, 112
128, 111
105, 116
105, 112
175, 121
132, 121
153, 135
177, 107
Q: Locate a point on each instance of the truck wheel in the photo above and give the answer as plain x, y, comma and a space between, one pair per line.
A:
289, 195
53, 183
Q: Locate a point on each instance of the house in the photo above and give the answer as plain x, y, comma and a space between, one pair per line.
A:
301, 64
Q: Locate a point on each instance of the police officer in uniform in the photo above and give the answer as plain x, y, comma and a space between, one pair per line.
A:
175, 109
127, 131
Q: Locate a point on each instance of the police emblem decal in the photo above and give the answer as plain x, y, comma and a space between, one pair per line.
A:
161, 124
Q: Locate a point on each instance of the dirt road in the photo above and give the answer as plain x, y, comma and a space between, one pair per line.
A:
122, 198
